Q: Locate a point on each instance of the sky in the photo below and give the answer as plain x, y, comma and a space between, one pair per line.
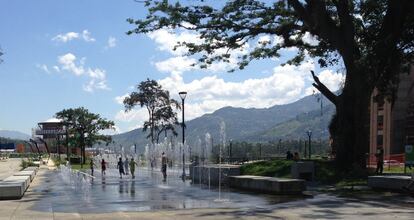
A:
61, 54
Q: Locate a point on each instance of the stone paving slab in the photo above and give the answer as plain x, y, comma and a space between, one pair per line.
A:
321, 206
8, 167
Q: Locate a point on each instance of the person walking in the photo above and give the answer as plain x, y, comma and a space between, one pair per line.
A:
126, 165
91, 164
132, 164
164, 166
380, 160
103, 167
120, 167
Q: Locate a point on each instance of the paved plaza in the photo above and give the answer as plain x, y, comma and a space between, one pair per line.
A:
9, 166
52, 196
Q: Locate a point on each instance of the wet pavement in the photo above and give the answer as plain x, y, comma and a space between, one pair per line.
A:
144, 193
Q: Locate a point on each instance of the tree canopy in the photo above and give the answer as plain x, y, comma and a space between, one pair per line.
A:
372, 39
84, 127
160, 107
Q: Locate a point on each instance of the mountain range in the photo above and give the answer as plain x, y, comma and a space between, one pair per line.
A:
14, 135
287, 122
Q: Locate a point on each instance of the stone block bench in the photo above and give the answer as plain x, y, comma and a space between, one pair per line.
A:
14, 187
32, 169
265, 184
11, 190
389, 182
30, 173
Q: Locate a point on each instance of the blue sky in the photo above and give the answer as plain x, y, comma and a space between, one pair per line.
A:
64, 54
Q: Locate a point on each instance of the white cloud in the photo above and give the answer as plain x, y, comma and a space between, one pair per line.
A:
310, 39
120, 99
67, 62
111, 42
137, 115
167, 40
330, 79
56, 68
86, 35
286, 84
97, 76
115, 130
43, 67
176, 64
66, 37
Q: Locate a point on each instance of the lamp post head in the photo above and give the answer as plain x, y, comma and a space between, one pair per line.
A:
309, 132
182, 95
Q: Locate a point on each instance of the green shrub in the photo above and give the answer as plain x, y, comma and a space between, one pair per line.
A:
27, 163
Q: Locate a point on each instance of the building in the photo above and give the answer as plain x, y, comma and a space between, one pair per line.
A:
392, 124
52, 133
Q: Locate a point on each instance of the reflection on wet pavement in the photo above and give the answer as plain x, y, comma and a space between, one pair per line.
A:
145, 192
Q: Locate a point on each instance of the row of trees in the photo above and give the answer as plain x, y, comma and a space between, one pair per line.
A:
371, 39
245, 150
84, 128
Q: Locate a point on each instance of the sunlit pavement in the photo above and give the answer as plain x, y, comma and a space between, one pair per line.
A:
148, 197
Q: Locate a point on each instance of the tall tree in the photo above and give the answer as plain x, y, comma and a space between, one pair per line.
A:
159, 105
372, 39
84, 128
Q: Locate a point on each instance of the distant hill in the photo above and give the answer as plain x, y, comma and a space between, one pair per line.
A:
14, 135
288, 121
294, 129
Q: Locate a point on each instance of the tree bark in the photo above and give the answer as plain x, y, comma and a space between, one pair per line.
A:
350, 125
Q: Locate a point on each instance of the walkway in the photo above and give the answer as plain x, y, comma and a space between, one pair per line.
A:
9, 166
322, 206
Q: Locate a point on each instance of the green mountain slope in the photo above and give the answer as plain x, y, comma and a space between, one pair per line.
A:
281, 121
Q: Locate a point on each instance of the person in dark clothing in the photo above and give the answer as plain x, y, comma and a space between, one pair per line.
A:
121, 167
380, 160
103, 167
289, 155
91, 166
164, 166
296, 157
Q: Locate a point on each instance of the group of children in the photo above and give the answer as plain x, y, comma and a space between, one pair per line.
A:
129, 165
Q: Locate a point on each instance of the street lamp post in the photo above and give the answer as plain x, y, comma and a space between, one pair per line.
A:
230, 146
182, 96
309, 133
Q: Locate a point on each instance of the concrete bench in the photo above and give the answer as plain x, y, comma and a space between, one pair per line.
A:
12, 190
31, 169
15, 179
268, 184
303, 170
389, 182
30, 173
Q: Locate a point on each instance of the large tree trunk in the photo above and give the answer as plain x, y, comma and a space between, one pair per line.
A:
350, 126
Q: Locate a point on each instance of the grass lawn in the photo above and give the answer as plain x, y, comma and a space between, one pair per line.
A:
272, 168
325, 172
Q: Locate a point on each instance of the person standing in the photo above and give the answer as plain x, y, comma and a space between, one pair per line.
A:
126, 165
103, 167
120, 167
132, 164
380, 160
164, 166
